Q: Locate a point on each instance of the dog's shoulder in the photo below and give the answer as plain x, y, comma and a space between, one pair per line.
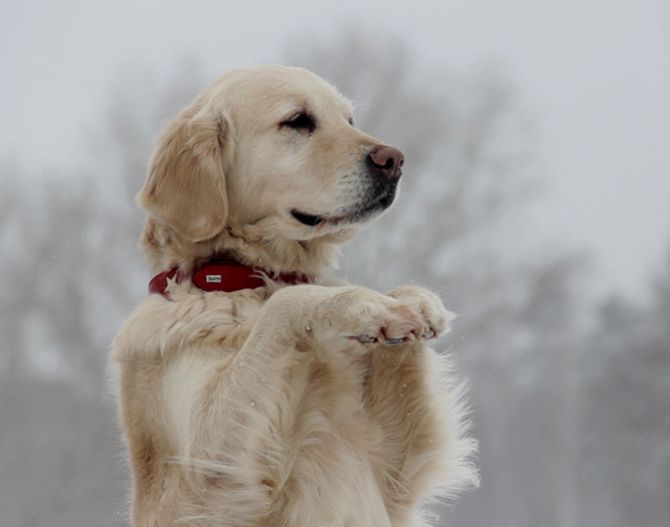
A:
187, 321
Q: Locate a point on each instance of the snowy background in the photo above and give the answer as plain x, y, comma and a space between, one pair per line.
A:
536, 200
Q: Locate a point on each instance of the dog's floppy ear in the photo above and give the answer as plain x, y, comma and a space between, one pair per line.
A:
185, 188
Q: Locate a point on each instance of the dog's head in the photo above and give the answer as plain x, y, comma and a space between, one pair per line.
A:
273, 144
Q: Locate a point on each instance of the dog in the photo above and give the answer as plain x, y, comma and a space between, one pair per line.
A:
268, 393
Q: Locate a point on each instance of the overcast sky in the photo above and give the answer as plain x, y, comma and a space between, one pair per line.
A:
593, 75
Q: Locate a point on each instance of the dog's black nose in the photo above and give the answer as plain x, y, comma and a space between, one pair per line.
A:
386, 161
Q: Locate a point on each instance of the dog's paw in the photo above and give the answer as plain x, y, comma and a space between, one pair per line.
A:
367, 317
434, 317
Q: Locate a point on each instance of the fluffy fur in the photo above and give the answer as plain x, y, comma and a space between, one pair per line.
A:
309, 405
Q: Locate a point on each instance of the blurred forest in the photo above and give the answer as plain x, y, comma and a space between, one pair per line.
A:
570, 396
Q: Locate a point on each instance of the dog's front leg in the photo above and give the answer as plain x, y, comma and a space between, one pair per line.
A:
409, 393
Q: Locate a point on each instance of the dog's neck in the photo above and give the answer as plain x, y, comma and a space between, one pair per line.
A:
249, 244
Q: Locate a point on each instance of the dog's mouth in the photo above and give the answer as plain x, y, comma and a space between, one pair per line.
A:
359, 213
307, 219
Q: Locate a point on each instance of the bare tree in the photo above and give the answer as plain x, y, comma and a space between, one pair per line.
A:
72, 275
626, 447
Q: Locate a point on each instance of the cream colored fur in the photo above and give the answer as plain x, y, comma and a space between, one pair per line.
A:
274, 407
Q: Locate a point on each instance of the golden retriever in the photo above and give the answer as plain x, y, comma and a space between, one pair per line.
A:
317, 404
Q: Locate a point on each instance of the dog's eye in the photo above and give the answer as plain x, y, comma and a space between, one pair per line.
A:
350, 120
300, 121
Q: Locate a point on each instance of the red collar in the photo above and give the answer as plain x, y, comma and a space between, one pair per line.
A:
222, 275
